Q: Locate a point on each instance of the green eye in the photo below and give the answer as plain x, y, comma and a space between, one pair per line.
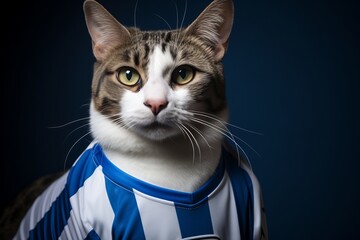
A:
128, 76
183, 75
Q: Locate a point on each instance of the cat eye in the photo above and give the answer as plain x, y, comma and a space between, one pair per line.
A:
128, 76
183, 75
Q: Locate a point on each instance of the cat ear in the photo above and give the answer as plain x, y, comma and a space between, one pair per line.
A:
214, 26
105, 31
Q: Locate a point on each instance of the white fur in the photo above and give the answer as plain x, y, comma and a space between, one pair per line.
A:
163, 156
157, 87
135, 114
167, 163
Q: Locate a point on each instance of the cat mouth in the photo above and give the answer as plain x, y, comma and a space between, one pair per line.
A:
156, 131
155, 125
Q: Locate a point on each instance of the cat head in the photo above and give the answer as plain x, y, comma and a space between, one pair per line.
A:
158, 84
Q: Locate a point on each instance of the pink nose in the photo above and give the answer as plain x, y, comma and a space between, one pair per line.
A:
156, 105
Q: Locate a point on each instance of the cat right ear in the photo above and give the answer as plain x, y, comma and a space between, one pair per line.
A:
214, 25
105, 31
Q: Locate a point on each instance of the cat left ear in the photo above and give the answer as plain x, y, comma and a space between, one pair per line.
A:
214, 26
105, 31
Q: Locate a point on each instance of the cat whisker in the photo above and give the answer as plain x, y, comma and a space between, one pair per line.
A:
225, 132
85, 105
110, 117
214, 117
67, 155
181, 26
135, 24
119, 121
72, 122
69, 123
248, 145
130, 124
182, 23
82, 126
69, 134
195, 141
135, 12
163, 20
201, 135
85, 125
181, 126
183, 18
244, 129
182, 131
177, 14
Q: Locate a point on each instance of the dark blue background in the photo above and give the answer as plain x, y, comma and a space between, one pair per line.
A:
292, 71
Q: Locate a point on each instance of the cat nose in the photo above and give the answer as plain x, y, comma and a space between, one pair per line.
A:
156, 105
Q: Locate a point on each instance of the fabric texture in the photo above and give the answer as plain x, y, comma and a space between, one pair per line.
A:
96, 200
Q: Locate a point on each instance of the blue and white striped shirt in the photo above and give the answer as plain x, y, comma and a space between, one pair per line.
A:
96, 200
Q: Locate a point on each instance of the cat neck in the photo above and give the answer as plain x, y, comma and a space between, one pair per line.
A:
175, 163
173, 171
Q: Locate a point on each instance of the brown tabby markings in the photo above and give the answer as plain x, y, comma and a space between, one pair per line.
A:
208, 94
196, 48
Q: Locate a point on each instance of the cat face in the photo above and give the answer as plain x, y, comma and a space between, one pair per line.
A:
157, 84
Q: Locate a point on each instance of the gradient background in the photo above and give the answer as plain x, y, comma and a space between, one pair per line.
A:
292, 70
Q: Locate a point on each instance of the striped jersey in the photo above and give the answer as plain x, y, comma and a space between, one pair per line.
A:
96, 200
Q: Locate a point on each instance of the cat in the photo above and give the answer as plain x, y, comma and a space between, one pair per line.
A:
159, 166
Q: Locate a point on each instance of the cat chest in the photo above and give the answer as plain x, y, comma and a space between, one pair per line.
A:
136, 215
94, 201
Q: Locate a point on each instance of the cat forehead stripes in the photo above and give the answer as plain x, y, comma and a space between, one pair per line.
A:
145, 80
142, 44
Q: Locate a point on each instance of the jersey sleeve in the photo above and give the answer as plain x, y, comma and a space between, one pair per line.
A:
56, 214
251, 199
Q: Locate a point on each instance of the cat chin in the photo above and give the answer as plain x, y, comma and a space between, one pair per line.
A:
157, 134
138, 139
156, 131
